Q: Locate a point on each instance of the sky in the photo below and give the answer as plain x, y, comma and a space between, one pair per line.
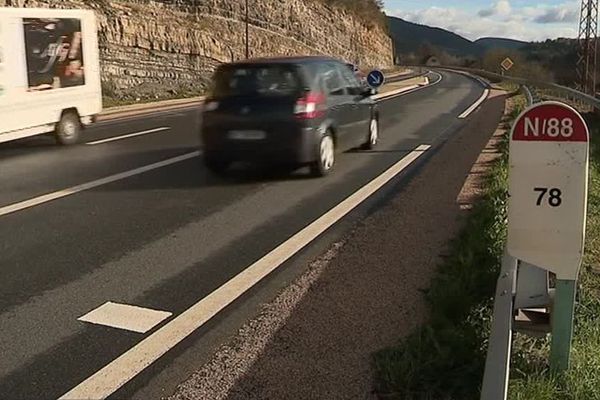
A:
515, 19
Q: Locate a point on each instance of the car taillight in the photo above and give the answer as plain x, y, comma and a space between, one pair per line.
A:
310, 106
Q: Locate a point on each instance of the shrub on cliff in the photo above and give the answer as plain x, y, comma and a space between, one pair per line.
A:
370, 11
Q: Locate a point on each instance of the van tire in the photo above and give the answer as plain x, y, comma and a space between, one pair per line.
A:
68, 129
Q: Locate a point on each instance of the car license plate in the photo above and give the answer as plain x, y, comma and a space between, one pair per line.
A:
247, 135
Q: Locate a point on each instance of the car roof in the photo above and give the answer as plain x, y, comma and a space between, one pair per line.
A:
283, 60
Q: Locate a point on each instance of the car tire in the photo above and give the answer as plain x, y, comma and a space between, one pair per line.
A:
372, 135
325, 156
216, 165
68, 129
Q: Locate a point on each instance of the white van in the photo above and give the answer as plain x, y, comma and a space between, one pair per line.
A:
49, 73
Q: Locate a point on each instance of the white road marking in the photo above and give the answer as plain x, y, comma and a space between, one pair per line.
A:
475, 105
129, 135
405, 91
36, 201
394, 92
124, 316
124, 368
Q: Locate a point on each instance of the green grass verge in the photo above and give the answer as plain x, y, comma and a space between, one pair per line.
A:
445, 358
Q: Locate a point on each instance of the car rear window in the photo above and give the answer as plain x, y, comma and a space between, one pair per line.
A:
257, 80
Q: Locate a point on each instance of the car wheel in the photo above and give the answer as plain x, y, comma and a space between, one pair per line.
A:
216, 165
373, 136
68, 129
325, 157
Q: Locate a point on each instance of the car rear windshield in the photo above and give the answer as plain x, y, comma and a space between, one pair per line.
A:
257, 80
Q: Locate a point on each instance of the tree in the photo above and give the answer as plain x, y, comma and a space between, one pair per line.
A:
522, 67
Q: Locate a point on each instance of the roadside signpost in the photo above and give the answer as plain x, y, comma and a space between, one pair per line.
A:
507, 64
375, 79
548, 177
548, 184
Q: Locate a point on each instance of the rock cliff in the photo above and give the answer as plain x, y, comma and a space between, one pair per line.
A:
149, 47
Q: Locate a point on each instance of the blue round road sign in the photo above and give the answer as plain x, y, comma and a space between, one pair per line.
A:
375, 79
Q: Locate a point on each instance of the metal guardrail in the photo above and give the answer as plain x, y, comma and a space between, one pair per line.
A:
556, 91
528, 94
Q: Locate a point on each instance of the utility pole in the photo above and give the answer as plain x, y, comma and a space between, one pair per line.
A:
247, 32
587, 48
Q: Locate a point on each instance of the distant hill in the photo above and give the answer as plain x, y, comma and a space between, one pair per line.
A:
409, 37
414, 43
500, 43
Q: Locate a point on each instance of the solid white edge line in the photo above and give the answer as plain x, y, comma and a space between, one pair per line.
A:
22, 205
117, 373
129, 135
475, 105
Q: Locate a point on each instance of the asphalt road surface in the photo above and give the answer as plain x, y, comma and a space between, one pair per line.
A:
139, 221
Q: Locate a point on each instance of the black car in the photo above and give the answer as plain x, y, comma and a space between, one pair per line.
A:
297, 110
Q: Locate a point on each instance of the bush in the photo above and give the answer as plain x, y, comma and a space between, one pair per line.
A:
523, 68
370, 11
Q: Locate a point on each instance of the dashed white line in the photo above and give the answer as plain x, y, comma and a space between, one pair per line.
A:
120, 371
475, 105
129, 135
36, 201
125, 316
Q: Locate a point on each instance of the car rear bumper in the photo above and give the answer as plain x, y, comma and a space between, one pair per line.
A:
293, 146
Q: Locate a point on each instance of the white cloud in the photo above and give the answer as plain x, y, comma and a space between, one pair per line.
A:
524, 23
502, 7
562, 13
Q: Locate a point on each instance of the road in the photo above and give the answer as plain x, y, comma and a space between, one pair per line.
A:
164, 236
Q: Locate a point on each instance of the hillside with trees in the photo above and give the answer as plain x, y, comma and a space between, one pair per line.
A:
551, 60
412, 40
489, 43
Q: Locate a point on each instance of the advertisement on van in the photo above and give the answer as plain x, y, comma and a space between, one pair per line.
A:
2, 62
54, 53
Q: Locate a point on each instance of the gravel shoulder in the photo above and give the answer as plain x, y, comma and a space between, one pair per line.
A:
315, 340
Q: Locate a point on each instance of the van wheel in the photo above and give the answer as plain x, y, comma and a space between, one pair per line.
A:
373, 136
68, 129
325, 157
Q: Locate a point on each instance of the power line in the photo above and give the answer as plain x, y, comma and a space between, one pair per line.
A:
588, 47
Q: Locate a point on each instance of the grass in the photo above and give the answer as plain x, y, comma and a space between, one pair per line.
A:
445, 359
